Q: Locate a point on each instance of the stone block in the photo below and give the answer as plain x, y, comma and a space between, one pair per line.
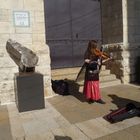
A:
29, 91
39, 16
27, 30
38, 27
4, 15
22, 38
38, 38
34, 4
43, 60
3, 39
6, 62
5, 27
11, 4
43, 70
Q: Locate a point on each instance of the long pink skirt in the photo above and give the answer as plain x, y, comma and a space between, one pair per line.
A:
91, 90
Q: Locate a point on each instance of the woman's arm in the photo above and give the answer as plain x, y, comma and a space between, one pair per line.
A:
104, 61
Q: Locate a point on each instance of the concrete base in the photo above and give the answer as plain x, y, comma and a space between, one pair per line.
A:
29, 91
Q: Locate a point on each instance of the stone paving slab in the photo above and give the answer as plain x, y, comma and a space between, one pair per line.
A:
40, 124
131, 133
98, 127
75, 109
95, 128
68, 118
5, 131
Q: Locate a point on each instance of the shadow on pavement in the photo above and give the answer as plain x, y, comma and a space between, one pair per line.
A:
74, 90
62, 138
121, 102
67, 87
126, 109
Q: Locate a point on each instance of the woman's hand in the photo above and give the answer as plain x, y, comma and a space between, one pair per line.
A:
99, 61
87, 60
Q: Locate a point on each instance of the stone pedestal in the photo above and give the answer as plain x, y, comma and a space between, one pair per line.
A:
29, 91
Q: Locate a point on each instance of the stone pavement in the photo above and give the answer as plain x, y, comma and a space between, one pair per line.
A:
72, 118
5, 132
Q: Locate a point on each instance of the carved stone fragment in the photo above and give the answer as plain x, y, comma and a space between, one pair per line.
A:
22, 56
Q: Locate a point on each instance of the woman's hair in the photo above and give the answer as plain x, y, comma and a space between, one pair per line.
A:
91, 45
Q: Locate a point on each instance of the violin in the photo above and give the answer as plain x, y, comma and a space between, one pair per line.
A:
101, 54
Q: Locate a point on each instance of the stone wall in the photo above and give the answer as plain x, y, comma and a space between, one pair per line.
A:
116, 64
32, 37
130, 61
125, 61
133, 21
112, 27
112, 34
121, 35
132, 50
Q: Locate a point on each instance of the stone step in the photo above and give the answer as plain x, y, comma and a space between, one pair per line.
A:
71, 73
103, 67
104, 75
59, 75
66, 76
104, 72
66, 71
106, 79
110, 83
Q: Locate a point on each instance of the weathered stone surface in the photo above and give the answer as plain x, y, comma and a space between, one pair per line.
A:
22, 56
32, 37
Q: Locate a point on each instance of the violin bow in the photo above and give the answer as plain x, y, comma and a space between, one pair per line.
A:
80, 71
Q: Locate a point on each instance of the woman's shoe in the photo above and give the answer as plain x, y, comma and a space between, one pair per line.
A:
90, 101
100, 101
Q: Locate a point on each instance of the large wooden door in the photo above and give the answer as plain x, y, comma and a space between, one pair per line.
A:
70, 24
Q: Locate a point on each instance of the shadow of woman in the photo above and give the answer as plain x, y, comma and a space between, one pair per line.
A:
126, 109
74, 90
121, 102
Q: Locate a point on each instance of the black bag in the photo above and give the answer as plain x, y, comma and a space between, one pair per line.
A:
92, 71
60, 87
93, 66
129, 111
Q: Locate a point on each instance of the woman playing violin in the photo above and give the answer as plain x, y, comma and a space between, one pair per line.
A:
92, 60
